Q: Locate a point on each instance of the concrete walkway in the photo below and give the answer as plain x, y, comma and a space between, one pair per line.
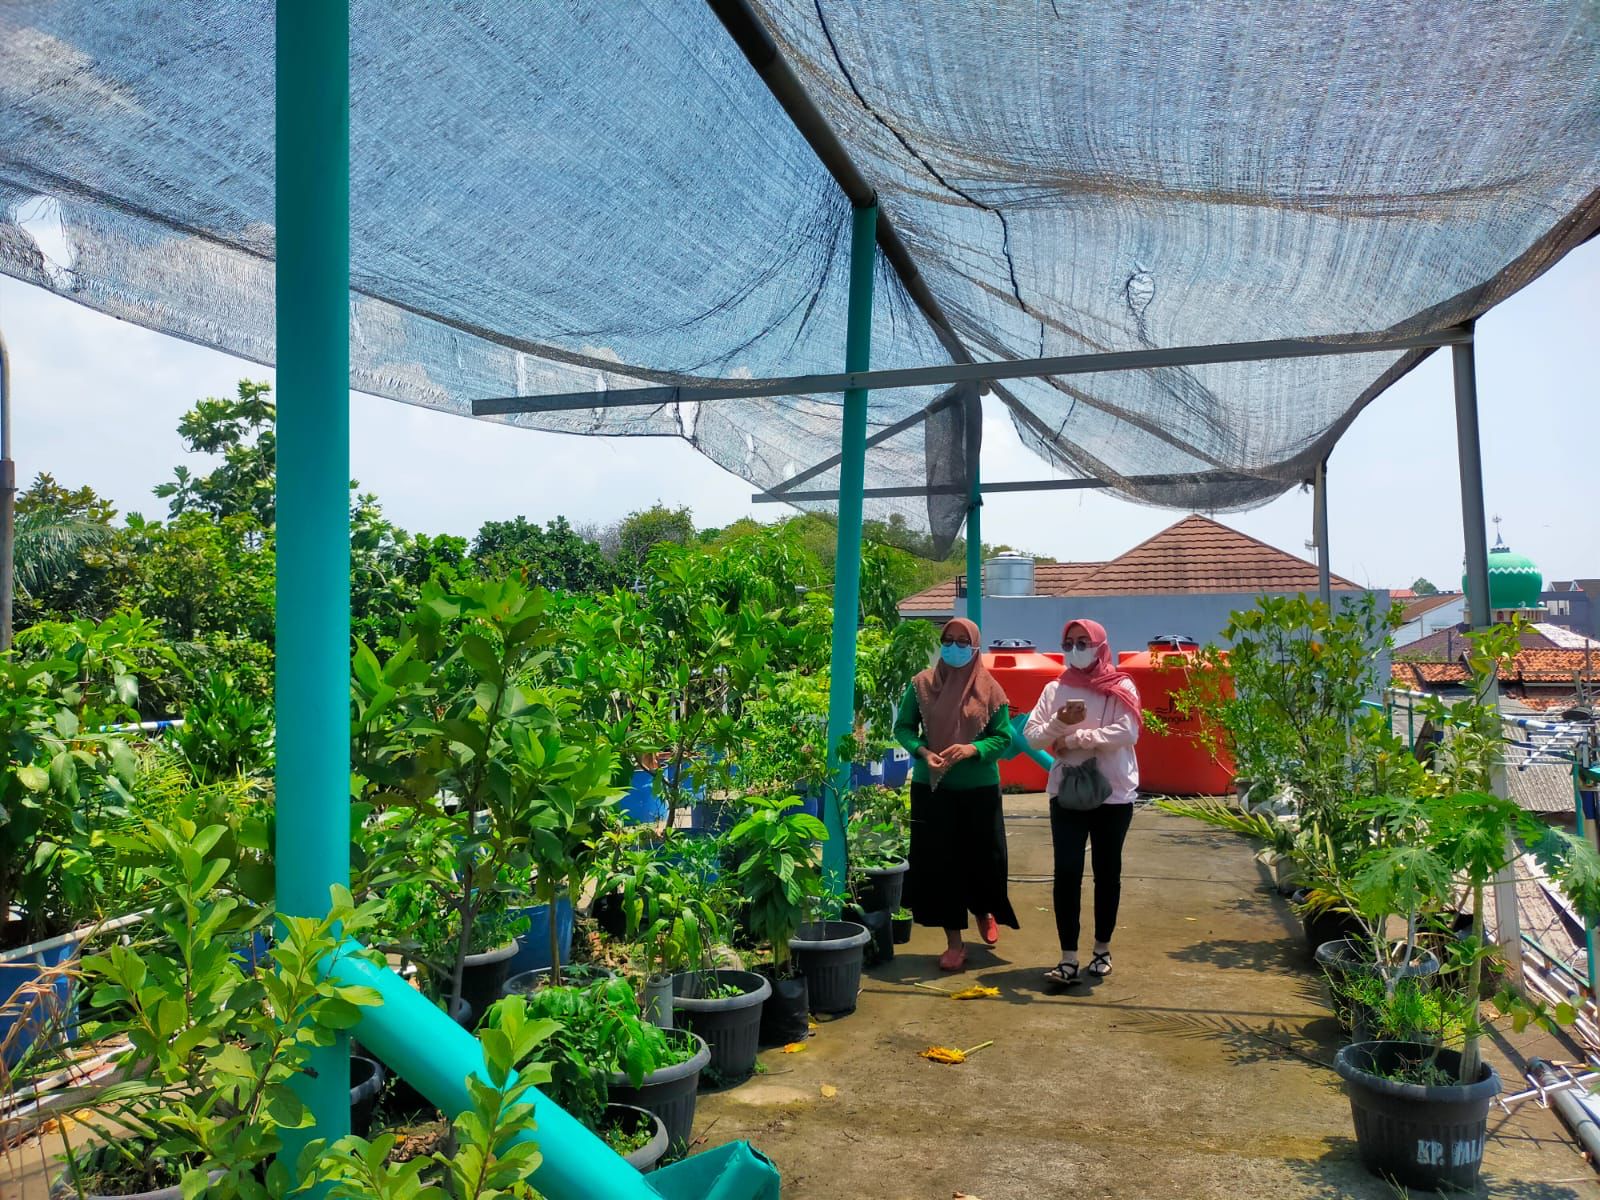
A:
1195, 1070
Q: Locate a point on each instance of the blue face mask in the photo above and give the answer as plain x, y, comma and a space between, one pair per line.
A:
955, 656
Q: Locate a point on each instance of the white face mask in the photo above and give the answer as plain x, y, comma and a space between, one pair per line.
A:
1082, 660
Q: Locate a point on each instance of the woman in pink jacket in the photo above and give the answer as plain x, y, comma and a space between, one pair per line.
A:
1089, 720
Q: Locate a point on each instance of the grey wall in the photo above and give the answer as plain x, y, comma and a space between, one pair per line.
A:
1130, 621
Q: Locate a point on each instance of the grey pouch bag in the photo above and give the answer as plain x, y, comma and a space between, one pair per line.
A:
1082, 787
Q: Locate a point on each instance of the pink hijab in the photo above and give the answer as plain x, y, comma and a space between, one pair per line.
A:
1102, 677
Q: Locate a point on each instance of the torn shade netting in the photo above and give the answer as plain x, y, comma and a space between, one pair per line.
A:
571, 196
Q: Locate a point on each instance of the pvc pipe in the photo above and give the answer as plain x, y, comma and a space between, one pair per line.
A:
1576, 1114
312, 151
847, 563
435, 1055
1019, 744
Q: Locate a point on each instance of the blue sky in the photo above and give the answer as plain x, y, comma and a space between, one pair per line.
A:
97, 401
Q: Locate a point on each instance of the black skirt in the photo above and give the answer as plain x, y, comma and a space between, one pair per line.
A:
958, 857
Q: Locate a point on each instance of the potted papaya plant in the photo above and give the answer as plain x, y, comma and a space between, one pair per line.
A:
1420, 1106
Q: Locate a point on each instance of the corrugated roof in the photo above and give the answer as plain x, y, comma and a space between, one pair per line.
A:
1199, 555
1421, 605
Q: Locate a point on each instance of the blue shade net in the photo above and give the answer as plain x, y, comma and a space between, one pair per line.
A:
565, 197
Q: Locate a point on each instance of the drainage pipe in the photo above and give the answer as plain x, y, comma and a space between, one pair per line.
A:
1579, 1119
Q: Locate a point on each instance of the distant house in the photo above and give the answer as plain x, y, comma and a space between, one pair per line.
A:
1573, 604
1426, 615
1185, 580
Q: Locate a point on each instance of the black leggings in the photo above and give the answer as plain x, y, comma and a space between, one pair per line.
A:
1104, 828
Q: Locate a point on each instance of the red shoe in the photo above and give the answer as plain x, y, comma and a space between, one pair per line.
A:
953, 960
989, 928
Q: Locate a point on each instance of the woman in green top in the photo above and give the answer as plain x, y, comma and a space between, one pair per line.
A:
955, 722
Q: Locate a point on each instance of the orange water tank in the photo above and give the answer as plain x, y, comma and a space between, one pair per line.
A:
1176, 762
1023, 672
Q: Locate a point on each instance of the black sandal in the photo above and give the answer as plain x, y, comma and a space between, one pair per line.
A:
1100, 964
1063, 974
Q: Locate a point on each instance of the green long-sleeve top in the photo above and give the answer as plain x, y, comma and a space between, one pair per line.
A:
983, 770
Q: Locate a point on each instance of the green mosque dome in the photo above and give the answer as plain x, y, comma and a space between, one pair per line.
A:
1514, 580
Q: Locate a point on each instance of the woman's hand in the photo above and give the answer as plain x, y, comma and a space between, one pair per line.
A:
960, 753
1067, 741
936, 761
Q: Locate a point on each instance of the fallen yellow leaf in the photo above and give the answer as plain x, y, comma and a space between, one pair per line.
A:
829, 1091
794, 1047
812, 1025
976, 992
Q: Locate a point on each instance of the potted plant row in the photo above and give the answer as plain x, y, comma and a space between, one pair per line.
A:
1397, 854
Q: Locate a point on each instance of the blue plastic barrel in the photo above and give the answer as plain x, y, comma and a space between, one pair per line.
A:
533, 944
35, 1013
641, 805
896, 768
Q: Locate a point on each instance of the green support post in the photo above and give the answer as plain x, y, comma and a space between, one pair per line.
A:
313, 429
975, 553
847, 563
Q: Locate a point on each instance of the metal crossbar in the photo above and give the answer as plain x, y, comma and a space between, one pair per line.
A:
975, 372
1030, 485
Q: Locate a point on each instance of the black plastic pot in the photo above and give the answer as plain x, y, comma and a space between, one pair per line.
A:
1353, 957
1329, 925
882, 887
1423, 1137
645, 1158
732, 1027
575, 975
366, 1085
901, 928
880, 924
829, 954
786, 1015
668, 1092
483, 977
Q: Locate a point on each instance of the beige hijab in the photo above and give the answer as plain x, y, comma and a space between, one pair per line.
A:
957, 703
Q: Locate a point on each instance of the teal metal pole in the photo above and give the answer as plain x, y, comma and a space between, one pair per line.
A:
313, 596
847, 561
975, 553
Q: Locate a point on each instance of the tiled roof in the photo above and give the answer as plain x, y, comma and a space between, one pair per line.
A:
1195, 555
1049, 579
1199, 555
1538, 666
1421, 605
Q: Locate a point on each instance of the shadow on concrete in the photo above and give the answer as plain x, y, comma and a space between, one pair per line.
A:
1339, 1175
1240, 954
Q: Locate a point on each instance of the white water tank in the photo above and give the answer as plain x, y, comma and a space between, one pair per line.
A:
1008, 574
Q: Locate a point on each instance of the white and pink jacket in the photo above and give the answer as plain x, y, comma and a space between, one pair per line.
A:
1107, 732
